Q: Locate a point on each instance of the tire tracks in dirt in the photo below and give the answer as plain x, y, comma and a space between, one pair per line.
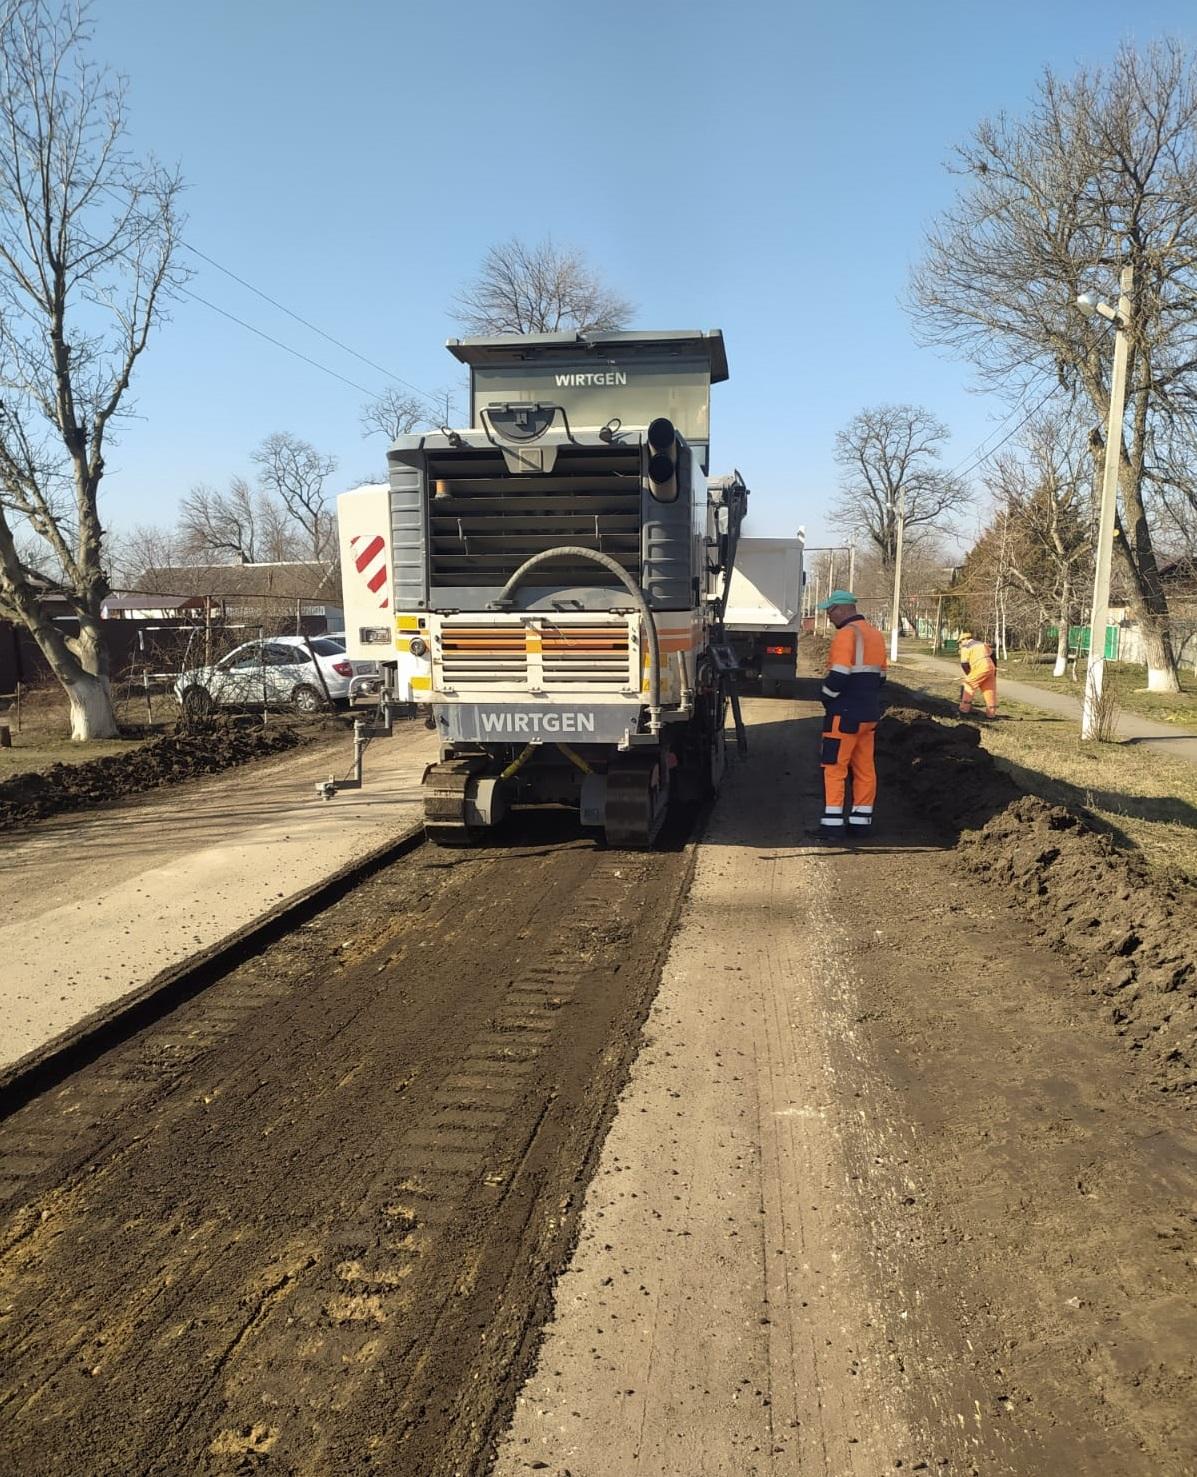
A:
309, 1222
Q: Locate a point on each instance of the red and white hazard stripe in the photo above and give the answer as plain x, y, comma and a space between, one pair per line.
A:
370, 560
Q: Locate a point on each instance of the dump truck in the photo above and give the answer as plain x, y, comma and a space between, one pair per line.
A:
549, 582
764, 609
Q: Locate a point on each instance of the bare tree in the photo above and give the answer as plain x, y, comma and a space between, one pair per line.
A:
544, 288
889, 455
1172, 492
395, 413
87, 240
135, 557
1101, 173
221, 524
295, 472
1045, 495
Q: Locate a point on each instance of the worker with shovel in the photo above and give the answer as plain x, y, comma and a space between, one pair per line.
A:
980, 674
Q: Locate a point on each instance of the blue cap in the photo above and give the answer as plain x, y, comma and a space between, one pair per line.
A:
837, 597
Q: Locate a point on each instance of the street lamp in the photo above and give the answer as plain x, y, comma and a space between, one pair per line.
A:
1099, 611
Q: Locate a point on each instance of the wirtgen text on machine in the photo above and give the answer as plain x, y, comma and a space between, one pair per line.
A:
536, 722
592, 377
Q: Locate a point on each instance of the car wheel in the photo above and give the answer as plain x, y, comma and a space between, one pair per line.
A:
197, 702
307, 699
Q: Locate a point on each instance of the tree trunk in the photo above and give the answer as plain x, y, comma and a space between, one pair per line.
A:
1062, 633
1157, 648
92, 716
81, 664
1135, 556
1149, 605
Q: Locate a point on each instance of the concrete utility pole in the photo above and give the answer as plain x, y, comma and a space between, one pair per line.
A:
1099, 613
896, 619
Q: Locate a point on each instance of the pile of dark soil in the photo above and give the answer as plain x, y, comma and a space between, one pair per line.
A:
941, 769
186, 753
1133, 936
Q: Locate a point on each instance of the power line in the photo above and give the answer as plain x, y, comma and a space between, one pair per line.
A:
261, 333
312, 327
278, 343
390, 374
977, 457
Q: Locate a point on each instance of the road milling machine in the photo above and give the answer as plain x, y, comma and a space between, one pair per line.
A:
549, 582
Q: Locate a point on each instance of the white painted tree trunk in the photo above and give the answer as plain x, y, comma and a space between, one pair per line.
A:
1061, 666
1161, 670
92, 716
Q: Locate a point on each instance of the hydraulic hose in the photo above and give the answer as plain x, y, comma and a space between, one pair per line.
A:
573, 551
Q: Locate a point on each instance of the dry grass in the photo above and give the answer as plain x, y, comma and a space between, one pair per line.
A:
1146, 799
1127, 684
45, 733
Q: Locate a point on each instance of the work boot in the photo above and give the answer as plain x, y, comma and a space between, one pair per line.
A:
826, 833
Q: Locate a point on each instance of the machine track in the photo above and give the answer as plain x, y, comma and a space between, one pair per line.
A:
446, 795
308, 1222
636, 802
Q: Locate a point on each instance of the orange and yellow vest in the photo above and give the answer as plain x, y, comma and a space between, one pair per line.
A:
855, 672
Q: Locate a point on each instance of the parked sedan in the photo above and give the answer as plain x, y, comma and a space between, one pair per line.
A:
277, 671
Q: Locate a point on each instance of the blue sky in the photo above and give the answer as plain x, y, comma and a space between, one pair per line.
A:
763, 168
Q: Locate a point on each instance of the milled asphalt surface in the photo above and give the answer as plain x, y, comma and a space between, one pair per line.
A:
97, 905
1165, 738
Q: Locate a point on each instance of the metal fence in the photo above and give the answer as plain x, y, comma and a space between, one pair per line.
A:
148, 658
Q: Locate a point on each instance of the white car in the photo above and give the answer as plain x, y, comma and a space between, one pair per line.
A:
279, 670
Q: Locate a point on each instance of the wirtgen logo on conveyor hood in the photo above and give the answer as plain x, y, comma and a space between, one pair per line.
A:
592, 377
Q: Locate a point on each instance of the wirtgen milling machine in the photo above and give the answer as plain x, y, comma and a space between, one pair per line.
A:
550, 581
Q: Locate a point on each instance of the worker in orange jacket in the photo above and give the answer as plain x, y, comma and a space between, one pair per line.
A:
852, 701
980, 674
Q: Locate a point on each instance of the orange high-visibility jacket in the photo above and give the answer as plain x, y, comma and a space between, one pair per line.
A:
855, 672
977, 661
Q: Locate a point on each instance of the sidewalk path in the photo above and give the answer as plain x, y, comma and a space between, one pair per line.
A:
97, 905
1166, 738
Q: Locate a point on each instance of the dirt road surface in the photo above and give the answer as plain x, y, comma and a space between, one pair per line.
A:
883, 1192
308, 1223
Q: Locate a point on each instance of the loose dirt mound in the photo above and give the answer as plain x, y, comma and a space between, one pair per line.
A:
1133, 936
942, 769
177, 756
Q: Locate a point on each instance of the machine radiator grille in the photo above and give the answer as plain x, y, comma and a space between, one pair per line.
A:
480, 655
484, 521
585, 654
595, 654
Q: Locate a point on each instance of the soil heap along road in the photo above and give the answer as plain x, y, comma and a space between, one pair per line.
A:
900, 1179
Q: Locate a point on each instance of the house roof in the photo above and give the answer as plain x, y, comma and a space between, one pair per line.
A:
294, 580
1182, 571
149, 602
